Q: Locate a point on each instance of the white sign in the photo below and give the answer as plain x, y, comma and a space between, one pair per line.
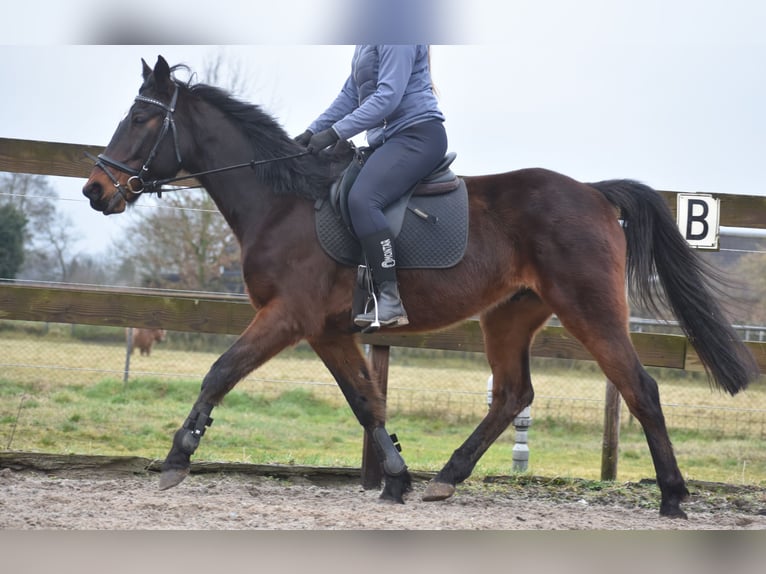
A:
698, 219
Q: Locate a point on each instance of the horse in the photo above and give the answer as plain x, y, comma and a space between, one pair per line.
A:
539, 243
143, 339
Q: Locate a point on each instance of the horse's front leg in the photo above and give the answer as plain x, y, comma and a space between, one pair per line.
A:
265, 337
343, 357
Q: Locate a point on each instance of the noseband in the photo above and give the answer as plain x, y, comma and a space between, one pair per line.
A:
136, 183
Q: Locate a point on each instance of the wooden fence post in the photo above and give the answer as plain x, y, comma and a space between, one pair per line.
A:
128, 353
611, 432
372, 474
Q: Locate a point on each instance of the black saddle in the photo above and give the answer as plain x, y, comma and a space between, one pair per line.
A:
430, 222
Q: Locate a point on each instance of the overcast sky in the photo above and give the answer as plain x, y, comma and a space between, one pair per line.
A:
669, 93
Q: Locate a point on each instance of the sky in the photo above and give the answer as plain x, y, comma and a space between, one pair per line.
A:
671, 93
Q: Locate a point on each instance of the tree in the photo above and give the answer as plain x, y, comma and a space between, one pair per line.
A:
183, 244
12, 226
48, 235
224, 69
32, 195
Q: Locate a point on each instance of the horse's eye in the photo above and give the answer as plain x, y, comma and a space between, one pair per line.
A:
138, 119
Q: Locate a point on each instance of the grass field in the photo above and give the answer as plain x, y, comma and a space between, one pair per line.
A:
62, 395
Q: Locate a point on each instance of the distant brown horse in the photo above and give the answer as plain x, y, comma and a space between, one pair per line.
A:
539, 243
144, 339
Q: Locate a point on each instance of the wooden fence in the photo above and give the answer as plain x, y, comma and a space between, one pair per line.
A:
211, 313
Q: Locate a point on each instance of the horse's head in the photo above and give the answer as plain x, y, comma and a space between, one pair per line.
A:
144, 147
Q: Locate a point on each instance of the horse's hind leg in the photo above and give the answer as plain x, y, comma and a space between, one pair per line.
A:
343, 357
508, 331
264, 337
603, 330
619, 361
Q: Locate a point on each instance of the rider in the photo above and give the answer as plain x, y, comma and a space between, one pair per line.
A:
389, 94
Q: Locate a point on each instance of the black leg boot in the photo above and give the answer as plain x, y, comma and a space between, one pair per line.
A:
388, 310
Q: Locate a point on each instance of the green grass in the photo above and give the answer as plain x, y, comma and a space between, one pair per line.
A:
67, 396
298, 427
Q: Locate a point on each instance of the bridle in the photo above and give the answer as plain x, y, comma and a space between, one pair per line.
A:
136, 183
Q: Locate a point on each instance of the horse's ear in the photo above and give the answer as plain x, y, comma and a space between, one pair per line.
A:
161, 72
146, 69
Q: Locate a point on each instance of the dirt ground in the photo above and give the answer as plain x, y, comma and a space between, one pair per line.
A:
32, 500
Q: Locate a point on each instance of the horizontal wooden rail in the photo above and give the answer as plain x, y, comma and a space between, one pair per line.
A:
52, 158
203, 313
65, 159
46, 158
226, 314
736, 210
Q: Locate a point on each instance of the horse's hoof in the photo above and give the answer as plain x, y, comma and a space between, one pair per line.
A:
388, 499
674, 513
172, 477
438, 491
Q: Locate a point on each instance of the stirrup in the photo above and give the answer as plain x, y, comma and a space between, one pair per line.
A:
364, 280
399, 321
375, 324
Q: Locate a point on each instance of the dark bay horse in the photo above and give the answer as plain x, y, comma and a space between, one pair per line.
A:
539, 243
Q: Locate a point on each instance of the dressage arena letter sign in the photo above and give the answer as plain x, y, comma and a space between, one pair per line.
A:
698, 219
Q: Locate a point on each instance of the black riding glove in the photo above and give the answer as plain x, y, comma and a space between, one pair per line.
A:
304, 138
323, 139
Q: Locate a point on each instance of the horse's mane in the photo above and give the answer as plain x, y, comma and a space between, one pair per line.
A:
306, 176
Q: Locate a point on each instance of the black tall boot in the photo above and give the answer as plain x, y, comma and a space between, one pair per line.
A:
387, 310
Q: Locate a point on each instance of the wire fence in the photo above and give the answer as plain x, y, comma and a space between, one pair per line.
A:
64, 389
40, 357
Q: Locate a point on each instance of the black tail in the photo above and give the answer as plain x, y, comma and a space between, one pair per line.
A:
689, 284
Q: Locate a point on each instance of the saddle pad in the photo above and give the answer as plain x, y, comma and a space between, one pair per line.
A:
437, 242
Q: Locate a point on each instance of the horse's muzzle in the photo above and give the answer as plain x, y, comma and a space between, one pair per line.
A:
94, 191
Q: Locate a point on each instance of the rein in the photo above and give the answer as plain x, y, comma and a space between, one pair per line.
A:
136, 183
155, 185
150, 186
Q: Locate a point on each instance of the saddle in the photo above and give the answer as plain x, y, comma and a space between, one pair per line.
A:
429, 222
